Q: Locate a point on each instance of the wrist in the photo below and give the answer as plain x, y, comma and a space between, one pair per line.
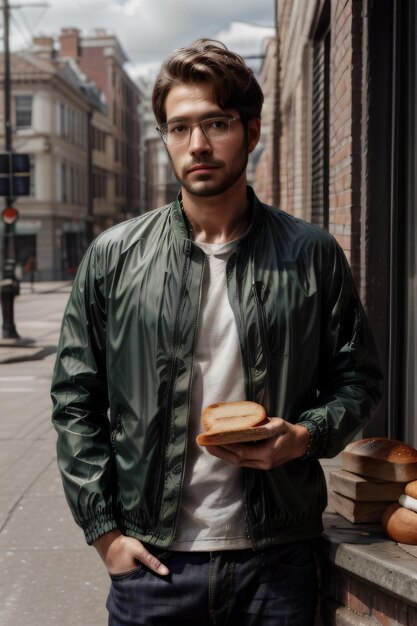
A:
304, 440
314, 438
103, 543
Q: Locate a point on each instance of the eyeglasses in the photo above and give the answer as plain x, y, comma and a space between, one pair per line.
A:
176, 133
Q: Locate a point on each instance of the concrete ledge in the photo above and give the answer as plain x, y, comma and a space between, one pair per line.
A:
337, 615
364, 577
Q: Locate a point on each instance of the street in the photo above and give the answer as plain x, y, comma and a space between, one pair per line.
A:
48, 575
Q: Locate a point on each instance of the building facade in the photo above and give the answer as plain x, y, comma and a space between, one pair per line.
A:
75, 112
158, 183
266, 169
101, 58
345, 159
346, 118
50, 122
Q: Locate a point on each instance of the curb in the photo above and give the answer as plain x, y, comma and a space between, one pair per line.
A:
32, 353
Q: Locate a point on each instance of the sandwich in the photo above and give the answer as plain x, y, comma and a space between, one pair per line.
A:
233, 422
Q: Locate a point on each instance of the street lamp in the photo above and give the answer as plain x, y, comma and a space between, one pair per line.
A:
14, 181
9, 285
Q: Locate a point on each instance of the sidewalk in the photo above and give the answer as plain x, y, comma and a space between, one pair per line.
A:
48, 575
32, 344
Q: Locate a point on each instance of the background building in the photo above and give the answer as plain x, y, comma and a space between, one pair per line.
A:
346, 163
159, 183
101, 58
75, 112
50, 121
346, 118
266, 175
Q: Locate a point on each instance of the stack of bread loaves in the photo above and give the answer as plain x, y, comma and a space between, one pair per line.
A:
374, 474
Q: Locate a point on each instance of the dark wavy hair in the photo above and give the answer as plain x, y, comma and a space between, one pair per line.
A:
206, 61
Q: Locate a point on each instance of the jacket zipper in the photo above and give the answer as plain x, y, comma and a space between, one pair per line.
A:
248, 387
245, 367
170, 390
190, 388
260, 307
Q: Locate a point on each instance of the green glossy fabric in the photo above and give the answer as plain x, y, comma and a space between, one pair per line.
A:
122, 379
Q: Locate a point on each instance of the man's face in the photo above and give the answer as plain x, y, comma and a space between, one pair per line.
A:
202, 166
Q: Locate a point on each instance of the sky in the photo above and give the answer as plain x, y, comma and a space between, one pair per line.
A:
148, 30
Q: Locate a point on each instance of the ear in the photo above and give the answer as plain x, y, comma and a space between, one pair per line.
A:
254, 132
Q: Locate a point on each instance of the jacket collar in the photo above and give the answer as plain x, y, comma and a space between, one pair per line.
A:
181, 228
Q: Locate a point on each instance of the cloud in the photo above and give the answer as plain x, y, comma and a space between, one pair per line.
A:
149, 29
245, 38
242, 38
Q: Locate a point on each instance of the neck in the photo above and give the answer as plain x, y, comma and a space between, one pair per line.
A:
217, 219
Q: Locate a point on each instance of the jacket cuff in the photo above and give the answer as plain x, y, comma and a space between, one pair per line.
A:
318, 434
98, 525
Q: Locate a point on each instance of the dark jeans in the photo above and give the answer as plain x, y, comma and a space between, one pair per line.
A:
272, 587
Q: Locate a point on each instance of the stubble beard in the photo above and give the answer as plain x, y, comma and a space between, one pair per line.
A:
210, 190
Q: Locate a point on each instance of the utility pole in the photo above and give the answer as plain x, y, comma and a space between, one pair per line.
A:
14, 181
9, 285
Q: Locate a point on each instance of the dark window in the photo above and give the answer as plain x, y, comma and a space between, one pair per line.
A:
64, 183
26, 250
99, 185
32, 175
23, 111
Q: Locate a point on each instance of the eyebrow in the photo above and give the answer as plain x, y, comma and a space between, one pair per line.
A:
207, 116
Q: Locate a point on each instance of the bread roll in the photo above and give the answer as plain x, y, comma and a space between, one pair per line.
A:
411, 489
232, 422
380, 457
400, 524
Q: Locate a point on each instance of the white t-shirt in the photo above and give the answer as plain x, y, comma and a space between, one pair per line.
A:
212, 513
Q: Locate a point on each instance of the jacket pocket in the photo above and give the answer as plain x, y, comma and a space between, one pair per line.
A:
116, 430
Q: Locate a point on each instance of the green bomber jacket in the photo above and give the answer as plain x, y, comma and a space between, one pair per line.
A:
123, 374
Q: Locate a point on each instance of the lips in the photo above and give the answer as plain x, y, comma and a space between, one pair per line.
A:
201, 168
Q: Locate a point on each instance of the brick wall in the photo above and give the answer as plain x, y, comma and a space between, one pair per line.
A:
265, 179
69, 42
349, 601
345, 127
345, 115
95, 65
295, 197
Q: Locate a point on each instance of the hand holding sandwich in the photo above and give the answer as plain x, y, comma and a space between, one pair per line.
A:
230, 428
286, 442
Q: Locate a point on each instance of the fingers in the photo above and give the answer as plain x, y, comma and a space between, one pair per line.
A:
224, 453
262, 455
138, 552
121, 554
258, 456
276, 426
148, 559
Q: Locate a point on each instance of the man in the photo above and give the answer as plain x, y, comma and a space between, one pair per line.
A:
215, 297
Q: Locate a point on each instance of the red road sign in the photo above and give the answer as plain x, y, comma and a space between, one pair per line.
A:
10, 215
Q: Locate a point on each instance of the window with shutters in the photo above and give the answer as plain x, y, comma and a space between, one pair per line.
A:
320, 121
406, 198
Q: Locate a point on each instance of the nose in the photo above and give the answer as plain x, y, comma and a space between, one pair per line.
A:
199, 143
